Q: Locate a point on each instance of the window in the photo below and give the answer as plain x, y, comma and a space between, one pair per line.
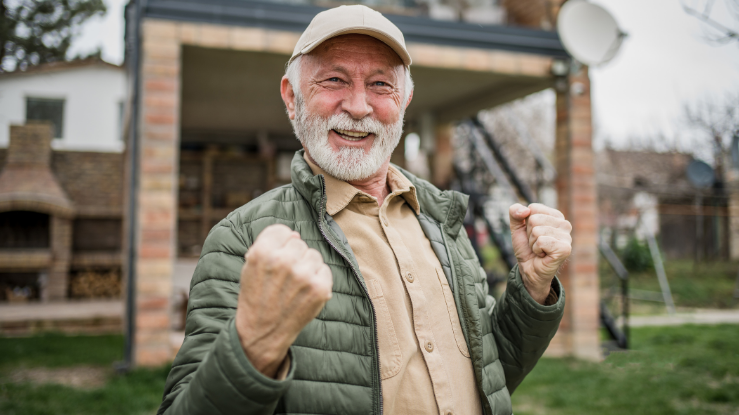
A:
42, 109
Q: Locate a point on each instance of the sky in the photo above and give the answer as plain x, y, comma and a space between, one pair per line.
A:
664, 63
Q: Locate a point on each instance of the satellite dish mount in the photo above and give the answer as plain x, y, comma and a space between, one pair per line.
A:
589, 32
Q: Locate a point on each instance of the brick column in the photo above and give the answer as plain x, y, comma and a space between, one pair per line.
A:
157, 190
577, 195
61, 254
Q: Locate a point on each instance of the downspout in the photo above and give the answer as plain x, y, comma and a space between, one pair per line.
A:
133, 135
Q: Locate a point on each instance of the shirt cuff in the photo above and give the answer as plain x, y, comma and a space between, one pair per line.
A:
553, 297
285, 367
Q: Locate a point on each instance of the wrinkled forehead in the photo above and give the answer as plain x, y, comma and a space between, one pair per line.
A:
355, 50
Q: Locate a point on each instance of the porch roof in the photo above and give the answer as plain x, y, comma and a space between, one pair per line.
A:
295, 18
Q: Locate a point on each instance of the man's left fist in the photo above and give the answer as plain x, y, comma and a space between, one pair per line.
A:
541, 242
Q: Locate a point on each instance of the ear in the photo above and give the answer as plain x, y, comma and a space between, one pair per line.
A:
288, 97
410, 98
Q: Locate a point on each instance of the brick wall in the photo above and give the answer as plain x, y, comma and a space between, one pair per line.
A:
61, 251
93, 181
34, 147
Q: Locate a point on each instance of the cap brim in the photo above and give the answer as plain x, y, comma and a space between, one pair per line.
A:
363, 30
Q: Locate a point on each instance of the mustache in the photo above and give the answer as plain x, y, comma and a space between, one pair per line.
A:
345, 122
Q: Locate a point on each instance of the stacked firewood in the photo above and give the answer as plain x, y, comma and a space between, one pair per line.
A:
96, 284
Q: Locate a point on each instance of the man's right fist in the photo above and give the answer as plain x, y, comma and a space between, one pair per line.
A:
284, 285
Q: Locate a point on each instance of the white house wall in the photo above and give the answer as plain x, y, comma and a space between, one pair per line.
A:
92, 97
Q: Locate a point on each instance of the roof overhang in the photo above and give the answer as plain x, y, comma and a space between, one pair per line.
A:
295, 18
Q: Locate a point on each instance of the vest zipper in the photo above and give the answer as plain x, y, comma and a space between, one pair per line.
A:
356, 276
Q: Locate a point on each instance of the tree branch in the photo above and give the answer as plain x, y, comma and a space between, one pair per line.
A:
705, 17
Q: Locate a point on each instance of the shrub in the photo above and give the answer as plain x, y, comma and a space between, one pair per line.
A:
636, 256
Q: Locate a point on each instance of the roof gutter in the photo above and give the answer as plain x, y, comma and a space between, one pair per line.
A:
133, 41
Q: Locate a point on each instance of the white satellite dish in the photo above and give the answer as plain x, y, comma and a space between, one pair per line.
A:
588, 32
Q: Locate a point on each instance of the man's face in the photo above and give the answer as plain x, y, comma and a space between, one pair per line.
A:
348, 112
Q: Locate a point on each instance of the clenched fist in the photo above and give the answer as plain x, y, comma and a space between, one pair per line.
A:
284, 285
541, 242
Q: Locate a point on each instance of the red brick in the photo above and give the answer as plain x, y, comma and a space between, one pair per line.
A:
152, 303
168, 101
156, 320
157, 235
148, 355
169, 85
159, 118
155, 251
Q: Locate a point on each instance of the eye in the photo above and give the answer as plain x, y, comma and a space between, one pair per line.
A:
380, 83
334, 79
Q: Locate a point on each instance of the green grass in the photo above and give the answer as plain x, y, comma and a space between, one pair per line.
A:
138, 392
57, 350
707, 285
670, 371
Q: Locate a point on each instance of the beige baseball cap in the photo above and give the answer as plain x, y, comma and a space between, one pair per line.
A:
344, 20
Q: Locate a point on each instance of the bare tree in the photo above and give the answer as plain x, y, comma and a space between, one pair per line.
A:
717, 31
714, 121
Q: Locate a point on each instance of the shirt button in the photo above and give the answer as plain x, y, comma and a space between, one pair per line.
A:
409, 277
384, 221
429, 347
449, 413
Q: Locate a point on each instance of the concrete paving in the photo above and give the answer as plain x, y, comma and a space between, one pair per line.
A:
70, 310
700, 316
93, 317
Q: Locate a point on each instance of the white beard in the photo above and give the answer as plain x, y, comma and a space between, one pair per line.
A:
348, 163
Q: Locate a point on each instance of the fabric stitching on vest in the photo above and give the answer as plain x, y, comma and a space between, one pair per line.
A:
328, 350
341, 321
250, 221
328, 381
213, 279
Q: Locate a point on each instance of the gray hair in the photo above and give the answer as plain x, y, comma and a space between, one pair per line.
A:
293, 76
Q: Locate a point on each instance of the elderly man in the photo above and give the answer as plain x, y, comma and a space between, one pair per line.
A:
354, 289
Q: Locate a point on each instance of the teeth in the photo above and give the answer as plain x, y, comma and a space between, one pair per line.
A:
350, 135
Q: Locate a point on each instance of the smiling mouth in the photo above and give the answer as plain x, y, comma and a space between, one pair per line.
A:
352, 135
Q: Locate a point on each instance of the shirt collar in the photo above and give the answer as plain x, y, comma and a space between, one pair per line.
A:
340, 193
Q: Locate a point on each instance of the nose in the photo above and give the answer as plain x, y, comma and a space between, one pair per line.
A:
356, 102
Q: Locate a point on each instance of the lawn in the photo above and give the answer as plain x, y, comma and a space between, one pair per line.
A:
705, 285
672, 370
35, 374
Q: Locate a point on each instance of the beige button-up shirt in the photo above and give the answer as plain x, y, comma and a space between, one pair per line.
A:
425, 366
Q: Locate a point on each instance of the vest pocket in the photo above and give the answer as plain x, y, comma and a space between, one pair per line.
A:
390, 355
451, 308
